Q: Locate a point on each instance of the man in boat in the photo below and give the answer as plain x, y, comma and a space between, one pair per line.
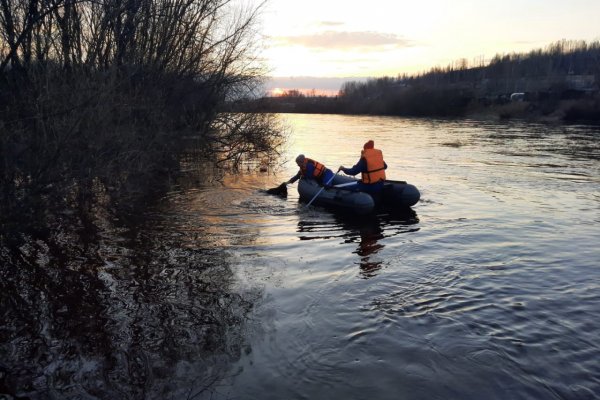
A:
371, 166
311, 169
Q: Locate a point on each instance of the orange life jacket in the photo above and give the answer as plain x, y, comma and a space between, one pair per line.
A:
375, 166
318, 171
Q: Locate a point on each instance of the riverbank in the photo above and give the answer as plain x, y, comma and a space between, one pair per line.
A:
584, 110
565, 111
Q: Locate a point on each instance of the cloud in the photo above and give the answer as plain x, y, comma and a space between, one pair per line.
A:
305, 84
346, 60
331, 23
334, 40
310, 82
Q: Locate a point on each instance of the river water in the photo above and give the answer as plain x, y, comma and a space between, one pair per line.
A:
489, 288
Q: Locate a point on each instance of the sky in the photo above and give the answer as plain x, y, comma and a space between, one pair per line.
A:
335, 40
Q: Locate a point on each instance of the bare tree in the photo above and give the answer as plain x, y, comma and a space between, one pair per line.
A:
108, 89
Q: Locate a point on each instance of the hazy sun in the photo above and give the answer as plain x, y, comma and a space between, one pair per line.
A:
276, 92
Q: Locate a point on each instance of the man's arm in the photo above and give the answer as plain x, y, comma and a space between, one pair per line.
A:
360, 166
295, 177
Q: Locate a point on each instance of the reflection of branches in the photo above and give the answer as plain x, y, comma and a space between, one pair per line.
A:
141, 315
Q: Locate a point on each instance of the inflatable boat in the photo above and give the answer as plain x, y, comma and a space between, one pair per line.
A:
343, 195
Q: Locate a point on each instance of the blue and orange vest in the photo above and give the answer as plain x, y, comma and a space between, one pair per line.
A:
318, 171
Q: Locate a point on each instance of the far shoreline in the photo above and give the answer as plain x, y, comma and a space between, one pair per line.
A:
566, 112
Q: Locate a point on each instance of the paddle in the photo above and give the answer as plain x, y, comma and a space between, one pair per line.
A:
345, 184
319, 192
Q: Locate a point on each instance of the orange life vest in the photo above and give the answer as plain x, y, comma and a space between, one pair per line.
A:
375, 166
318, 171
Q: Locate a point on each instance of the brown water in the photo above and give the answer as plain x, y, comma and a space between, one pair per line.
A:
488, 289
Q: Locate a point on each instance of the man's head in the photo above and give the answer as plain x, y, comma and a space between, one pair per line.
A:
300, 159
369, 145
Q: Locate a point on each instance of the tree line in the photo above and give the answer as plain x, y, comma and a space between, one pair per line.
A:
105, 95
563, 77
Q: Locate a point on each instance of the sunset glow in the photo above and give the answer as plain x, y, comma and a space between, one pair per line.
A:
277, 92
337, 38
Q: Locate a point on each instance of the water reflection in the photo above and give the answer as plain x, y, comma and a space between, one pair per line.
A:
370, 234
576, 143
151, 307
367, 232
142, 308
